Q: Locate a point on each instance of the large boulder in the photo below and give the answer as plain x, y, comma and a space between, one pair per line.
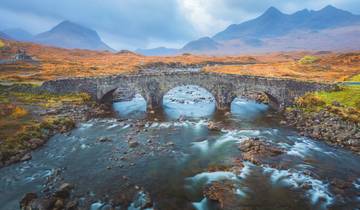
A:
222, 192
256, 150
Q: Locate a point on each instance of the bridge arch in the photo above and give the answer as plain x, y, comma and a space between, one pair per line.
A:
261, 96
223, 93
188, 101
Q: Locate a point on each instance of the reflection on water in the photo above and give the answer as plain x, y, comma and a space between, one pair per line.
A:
173, 158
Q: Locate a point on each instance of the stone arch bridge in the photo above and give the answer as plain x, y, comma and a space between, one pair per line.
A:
224, 87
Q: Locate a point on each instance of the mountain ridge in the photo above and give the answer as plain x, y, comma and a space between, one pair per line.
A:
71, 35
275, 23
329, 28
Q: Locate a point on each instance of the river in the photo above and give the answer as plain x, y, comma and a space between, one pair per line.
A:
170, 160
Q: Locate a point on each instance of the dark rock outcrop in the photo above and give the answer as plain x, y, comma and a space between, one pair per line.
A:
59, 200
222, 192
255, 150
326, 126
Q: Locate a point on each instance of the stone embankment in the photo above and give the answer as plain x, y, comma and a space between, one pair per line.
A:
326, 126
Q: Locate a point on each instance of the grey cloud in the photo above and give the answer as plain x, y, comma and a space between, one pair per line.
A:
137, 23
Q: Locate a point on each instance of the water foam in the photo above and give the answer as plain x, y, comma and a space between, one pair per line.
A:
318, 190
230, 136
186, 123
246, 170
209, 177
201, 205
96, 206
356, 184
303, 146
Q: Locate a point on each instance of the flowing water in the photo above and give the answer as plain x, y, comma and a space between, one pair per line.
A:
173, 159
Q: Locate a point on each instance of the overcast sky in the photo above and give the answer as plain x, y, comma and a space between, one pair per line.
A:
135, 24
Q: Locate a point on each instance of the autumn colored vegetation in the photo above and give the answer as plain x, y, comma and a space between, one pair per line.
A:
56, 63
53, 63
21, 121
330, 67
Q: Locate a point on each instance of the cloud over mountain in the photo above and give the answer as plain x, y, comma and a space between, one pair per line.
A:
140, 24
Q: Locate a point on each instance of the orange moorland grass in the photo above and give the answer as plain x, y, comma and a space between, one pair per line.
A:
56, 63
328, 68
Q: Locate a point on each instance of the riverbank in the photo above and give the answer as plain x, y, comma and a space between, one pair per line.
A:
29, 117
333, 117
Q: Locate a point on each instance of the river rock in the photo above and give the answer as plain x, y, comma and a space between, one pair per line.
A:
222, 192
59, 204
72, 205
26, 200
170, 143
35, 142
254, 150
327, 126
104, 139
26, 157
133, 143
214, 126
64, 190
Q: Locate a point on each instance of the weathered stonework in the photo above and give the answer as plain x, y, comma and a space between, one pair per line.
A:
224, 87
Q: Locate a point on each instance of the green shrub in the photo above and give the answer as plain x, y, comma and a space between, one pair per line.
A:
309, 101
308, 59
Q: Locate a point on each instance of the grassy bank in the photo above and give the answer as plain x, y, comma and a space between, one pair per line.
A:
22, 126
344, 102
355, 78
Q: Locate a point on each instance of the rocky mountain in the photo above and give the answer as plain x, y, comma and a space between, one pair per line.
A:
18, 34
326, 29
71, 35
274, 23
4, 35
205, 43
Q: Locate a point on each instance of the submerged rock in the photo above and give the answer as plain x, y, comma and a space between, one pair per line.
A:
133, 143
104, 139
142, 200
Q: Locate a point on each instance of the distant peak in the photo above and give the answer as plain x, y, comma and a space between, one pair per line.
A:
273, 10
67, 22
330, 8
302, 12
206, 38
67, 25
